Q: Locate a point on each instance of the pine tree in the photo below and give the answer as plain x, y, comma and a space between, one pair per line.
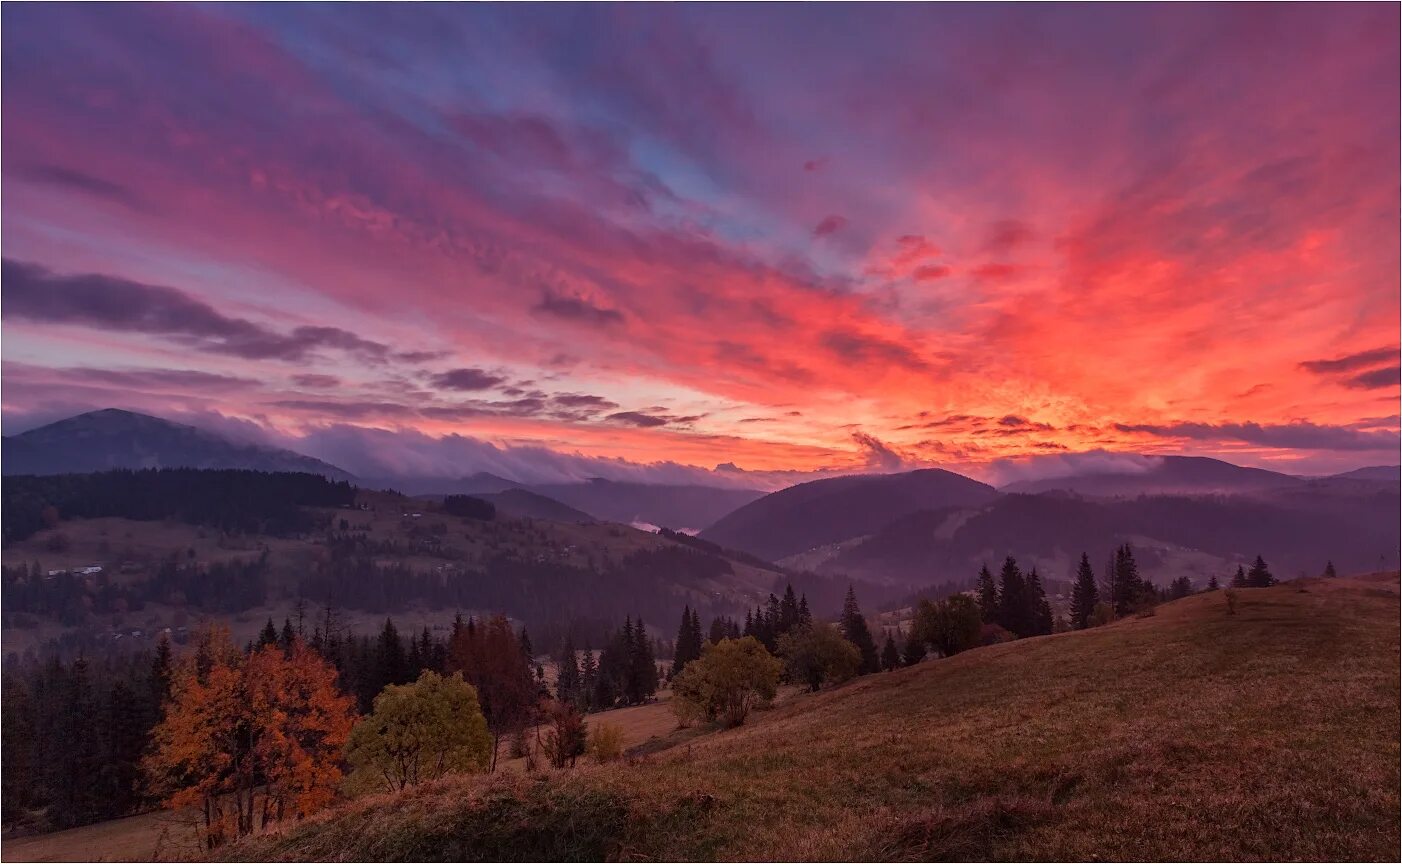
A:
588, 678
914, 650
1013, 609
987, 595
890, 655
1039, 609
854, 627
1084, 595
389, 665
288, 634
642, 667
688, 646
805, 617
1126, 587
1212, 583
788, 612
1239, 580
526, 647
269, 634
1260, 576
567, 687
1329, 572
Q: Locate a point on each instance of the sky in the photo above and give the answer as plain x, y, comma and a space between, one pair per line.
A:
729, 242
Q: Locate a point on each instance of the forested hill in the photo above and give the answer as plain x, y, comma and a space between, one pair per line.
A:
253, 502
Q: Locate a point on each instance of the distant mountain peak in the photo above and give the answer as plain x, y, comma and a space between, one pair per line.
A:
111, 438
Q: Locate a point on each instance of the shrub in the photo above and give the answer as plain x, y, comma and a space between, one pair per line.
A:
951, 625
606, 743
731, 678
566, 737
819, 654
1231, 596
1103, 614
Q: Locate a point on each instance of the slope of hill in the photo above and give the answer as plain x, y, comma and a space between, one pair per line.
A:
523, 503
684, 507
1164, 475
1391, 473
1194, 734
822, 512
1298, 531
112, 438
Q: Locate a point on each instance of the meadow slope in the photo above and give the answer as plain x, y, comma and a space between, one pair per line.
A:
1189, 735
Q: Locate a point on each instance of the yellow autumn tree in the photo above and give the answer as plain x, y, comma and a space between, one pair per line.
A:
263, 734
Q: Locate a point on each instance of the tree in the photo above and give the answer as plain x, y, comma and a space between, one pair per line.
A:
914, 650
1239, 580
1084, 595
1126, 587
819, 654
731, 678
950, 625
1259, 576
1212, 583
987, 594
1013, 612
263, 733
854, 627
1329, 571
567, 683
688, 646
1038, 609
566, 737
890, 654
420, 731
1179, 588
490, 659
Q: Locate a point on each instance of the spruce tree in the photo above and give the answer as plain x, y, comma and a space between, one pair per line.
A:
1084, 595
914, 650
1038, 608
987, 595
588, 678
1260, 576
1329, 572
269, 634
1013, 612
890, 655
1239, 580
1212, 583
688, 646
854, 627
1126, 587
287, 636
567, 681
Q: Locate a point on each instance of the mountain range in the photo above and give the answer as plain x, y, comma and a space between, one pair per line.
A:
1190, 515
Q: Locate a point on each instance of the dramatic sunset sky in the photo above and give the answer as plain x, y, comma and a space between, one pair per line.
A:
574, 240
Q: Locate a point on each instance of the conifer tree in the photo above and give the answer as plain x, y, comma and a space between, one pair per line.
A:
854, 627
567, 682
1260, 576
1126, 587
1212, 583
269, 634
1239, 580
1084, 595
890, 655
914, 650
642, 667
987, 594
1329, 572
588, 678
288, 634
1013, 608
688, 645
1039, 609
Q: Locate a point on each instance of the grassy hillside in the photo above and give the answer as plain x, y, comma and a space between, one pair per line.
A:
1192, 734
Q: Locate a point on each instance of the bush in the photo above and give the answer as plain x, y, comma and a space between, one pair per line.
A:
566, 737
606, 743
1103, 614
731, 678
950, 626
1231, 596
819, 654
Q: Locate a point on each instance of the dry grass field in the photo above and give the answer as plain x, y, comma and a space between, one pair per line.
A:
1192, 734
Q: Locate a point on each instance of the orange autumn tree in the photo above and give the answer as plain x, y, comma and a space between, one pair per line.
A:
262, 733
